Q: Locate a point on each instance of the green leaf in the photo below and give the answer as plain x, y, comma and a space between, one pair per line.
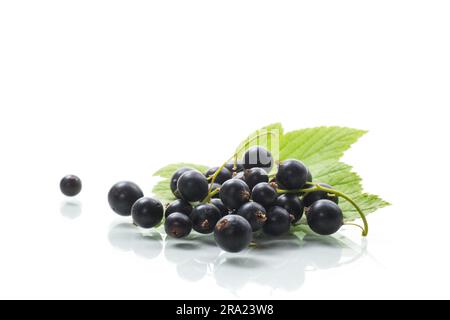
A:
319, 144
267, 137
162, 188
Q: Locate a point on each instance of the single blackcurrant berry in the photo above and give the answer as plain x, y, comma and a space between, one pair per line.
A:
293, 205
219, 204
179, 205
234, 193
265, 194
278, 221
258, 157
239, 175
215, 186
324, 217
174, 180
292, 174
254, 176
147, 212
178, 225
254, 213
233, 233
204, 217
222, 176
311, 197
70, 185
122, 196
192, 186
231, 167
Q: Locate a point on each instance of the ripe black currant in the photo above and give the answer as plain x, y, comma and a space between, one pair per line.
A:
192, 186
222, 176
174, 180
293, 205
292, 174
278, 221
219, 204
122, 196
254, 213
204, 217
239, 166
254, 176
233, 233
215, 187
70, 185
258, 157
239, 175
311, 197
265, 194
234, 193
179, 205
178, 225
324, 217
147, 212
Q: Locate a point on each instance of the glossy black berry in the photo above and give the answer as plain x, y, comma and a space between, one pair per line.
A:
258, 157
254, 213
233, 233
234, 193
174, 180
222, 176
147, 212
239, 166
278, 221
122, 196
314, 196
292, 174
179, 205
178, 225
192, 186
204, 217
70, 185
215, 187
219, 204
254, 176
293, 205
265, 194
324, 217
239, 175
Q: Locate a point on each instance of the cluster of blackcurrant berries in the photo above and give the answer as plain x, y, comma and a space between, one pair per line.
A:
234, 201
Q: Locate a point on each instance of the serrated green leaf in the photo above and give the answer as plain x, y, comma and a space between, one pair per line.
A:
315, 145
368, 203
162, 188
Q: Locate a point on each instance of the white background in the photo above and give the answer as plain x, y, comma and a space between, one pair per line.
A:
113, 90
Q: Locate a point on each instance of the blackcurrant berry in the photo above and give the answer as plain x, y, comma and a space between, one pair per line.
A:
293, 205
324, 217
258, 157
278, 221
222, 176
254, 176
147, 212
265, 194
254, 213
174, 180
192, 186
311, 197
239, 166
292, 174
219, 204
204, 217
70, 185
234, 193
215, 187
179, 205
233, 233
122, 196
239, 175
178, 225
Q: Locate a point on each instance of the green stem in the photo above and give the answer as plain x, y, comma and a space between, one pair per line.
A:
337, 193
210, 195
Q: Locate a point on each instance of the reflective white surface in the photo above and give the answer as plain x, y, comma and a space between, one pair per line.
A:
115, 90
